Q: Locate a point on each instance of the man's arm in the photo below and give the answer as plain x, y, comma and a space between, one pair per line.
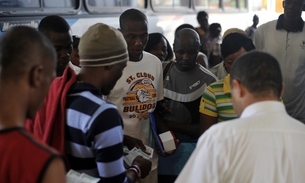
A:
208, 109
202, 60
55, 172
139, 170
131, 142
107, 136
108, 144
160, 123
132, 175
193, 130
186, 129
206, 122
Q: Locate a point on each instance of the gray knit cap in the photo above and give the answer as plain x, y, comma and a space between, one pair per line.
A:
102, 45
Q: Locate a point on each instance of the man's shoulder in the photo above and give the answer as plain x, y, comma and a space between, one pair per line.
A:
219, 70
271, 25
88, 101
151, 58
33, 144
205, 72
250, 30
200, 31
222, 130
217, 84
166, 63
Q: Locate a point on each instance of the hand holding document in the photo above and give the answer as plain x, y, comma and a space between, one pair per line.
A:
76, 177
133, 153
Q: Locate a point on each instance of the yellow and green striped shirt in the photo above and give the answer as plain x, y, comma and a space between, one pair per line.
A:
216, 101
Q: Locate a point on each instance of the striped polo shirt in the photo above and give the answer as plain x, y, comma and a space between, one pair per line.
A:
216, 101
94, 134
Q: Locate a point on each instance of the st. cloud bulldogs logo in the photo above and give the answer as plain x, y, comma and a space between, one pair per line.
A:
143, 95
140, 98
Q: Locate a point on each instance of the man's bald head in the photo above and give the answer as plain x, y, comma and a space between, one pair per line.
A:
21, 48
186, 48
187, 34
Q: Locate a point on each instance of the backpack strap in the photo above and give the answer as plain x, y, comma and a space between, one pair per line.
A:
166, 68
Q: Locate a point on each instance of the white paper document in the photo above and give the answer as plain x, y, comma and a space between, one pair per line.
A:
133, 153
76, 177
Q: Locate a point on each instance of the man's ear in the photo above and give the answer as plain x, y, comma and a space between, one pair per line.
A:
238, 88
36, 76
282, 91
283, 4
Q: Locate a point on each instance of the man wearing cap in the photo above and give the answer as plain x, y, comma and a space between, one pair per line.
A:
76, 119
216, 102
140, 88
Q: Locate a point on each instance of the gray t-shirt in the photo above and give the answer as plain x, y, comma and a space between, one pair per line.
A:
184, 89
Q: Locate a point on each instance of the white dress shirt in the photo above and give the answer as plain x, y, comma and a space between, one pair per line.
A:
264, 145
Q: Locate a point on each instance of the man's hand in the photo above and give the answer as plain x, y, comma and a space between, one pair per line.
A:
143, 164
131, 142
165, 154
162, 107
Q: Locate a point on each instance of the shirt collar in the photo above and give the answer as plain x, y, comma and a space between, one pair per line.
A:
263, 107
226, 84
224, 67
298, 27
79, 86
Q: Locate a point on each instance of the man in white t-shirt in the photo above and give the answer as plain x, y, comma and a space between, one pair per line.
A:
139, 89
264, 145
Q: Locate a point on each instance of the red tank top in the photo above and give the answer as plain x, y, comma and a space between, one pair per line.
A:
22, 158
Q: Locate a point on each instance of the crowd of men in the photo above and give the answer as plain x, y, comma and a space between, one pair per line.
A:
60, 112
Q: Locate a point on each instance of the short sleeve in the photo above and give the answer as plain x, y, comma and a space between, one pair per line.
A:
160, 94
258, 40
208, 103
106, 133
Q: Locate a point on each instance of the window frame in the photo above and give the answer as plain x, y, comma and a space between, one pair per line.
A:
33, 11
113, 10
223, 9
164, 9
